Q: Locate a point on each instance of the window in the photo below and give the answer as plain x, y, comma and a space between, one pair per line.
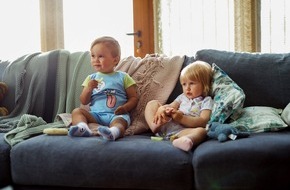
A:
189, 25
275, 26
86, 20
20, 28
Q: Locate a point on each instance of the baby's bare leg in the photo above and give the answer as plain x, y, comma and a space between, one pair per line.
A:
121, 124
82, 115
150, 111
80, 119
116, 130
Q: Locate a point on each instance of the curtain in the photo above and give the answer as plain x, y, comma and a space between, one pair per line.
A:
183, 27
51, 16
247, 25
275, 22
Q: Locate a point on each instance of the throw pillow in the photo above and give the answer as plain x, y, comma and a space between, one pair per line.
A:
286, 114
155, 78
260, 119
227, 95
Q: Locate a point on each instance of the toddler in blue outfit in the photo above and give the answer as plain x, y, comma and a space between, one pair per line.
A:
111, 94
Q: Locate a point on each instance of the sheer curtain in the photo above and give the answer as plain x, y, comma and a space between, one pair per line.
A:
275, 22
183, 27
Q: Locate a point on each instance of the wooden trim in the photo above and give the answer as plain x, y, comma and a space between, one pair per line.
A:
51, 23
143, 21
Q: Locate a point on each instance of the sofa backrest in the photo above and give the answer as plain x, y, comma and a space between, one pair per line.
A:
264, 77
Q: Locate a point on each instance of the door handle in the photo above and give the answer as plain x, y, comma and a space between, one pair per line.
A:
138, 33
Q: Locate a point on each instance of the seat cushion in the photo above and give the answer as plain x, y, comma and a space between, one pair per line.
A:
261, 161
5, 175
131, 162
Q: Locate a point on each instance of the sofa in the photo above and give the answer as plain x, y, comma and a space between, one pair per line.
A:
43, 85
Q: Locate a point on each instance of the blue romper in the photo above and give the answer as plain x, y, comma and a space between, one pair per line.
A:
109, 95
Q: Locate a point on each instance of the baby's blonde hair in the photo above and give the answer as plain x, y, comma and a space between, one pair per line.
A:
199, 71
109, 42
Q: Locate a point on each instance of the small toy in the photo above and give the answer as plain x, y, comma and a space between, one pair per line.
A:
3, 92
55, 131
156, 138
224, 132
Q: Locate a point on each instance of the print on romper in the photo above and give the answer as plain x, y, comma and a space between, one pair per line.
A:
111, 98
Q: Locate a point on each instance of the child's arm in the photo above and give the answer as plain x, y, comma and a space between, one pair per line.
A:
132, 100
85, 96
163, 113
191, 121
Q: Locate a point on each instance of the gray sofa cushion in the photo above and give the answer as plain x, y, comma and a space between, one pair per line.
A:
260, 161
5, 175
263, 77
134, 161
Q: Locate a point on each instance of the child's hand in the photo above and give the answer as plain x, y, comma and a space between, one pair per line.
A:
120, 110
176, 115
161, 116
93, 84
169, 111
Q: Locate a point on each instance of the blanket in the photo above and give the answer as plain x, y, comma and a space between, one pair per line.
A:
48, 84
31, 80
151, 76
25, 86
27, 127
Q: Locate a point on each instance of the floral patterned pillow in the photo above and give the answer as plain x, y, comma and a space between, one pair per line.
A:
260, 119
227, 95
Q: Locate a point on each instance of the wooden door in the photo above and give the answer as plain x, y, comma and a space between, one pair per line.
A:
143, 27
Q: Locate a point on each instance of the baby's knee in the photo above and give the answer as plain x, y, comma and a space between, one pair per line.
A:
76, 111
153, 104
120, 122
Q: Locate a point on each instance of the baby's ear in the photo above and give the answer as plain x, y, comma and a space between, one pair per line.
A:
117, 60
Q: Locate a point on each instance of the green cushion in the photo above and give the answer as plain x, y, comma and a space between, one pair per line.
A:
260, 119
